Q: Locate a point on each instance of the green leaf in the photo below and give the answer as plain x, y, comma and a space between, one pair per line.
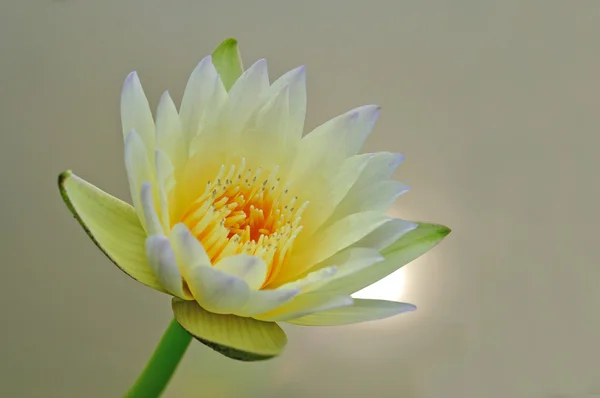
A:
244, 339
112, 224
228, 62
410, 246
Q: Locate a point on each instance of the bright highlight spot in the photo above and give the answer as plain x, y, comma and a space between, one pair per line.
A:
388, 288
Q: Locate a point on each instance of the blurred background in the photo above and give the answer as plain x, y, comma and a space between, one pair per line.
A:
496, 106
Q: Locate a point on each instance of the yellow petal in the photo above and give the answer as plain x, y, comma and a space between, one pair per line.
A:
360, 311
239, 338
331, 240
112, 224
410, 246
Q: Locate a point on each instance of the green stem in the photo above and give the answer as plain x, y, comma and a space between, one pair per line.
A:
162, 365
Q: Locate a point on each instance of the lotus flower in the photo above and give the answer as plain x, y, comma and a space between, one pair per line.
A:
241, 218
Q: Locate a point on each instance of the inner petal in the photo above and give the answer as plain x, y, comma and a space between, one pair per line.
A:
246, 211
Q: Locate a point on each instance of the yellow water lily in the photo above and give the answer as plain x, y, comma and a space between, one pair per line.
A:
244, 220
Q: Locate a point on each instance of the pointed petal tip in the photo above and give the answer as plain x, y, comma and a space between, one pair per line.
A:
131, 77
444, 230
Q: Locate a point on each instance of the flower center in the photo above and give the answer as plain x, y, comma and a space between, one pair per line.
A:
246, 212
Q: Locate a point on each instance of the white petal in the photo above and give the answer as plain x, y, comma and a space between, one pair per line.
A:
377, 197
169, 134
306, 304
381, 167
410, 246
333, 193
386, 234
296, 81
217, 291
360, 311
251, 269
138, 170
135, 112
197, 96
188, 250
247, 92
268, 141
152, 222
261, 301
312, 281
367, 117
166, 184
352, 260
162, 261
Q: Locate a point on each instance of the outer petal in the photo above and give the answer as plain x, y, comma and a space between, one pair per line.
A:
228, 62
162, 261
151, 220
217, 291
386, 234
112, 224
250, 269
135, 112
360, 311
138, 169
306, 304
261, 301
407, 248
245, 339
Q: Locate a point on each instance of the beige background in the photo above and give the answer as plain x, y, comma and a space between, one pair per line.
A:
495, 104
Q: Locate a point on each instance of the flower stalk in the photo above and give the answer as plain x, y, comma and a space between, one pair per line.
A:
159, 370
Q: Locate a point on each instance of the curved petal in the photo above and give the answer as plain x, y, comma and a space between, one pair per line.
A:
136, 114
306, 304
228, 62
329, 241
386, 234
410, 246
152, 222
113, 226
246, 93
188, 251
166, 185
295, 80
360, 311
162, 261
245, 339
169, 134
138, 170
197, 97
250, 269
261, 301
217, 291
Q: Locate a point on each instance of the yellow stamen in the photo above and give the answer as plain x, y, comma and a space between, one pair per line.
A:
242, 211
